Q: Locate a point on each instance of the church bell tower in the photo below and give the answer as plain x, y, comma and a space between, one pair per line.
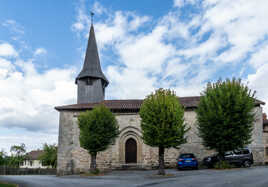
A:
91, 82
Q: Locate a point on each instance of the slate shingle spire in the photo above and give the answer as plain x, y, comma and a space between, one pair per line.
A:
91, 81
92, 66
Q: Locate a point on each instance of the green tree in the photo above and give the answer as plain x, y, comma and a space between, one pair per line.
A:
17, 155
162, 123
49, 157
98, 130
3, 158
225, 115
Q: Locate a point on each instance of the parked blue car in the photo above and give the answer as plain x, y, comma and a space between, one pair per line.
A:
187, 160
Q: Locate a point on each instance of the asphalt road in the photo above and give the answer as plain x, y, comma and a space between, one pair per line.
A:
248, 177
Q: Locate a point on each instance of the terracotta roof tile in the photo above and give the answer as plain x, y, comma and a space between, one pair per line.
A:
132, 104
34, 155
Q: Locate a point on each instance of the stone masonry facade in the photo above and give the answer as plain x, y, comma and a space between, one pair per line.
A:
73, 159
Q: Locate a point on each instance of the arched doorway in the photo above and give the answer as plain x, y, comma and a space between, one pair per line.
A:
131, 151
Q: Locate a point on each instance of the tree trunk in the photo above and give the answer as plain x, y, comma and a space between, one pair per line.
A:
221, 156
161, 151
93, 164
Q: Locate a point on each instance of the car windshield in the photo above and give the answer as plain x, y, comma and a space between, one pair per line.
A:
241, 151
187, 156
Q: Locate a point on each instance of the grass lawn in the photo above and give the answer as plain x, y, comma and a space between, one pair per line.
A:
3, 184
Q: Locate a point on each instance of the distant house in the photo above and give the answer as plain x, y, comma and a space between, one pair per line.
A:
32, 160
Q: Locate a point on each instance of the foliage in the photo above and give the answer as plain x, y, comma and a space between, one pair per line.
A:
96, 172
2, 158
17, 155
225, 115
223, 165
162, 122
98, 130
18, 150
49, 157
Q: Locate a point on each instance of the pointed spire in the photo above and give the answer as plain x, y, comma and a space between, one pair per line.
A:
91, 14
92, 67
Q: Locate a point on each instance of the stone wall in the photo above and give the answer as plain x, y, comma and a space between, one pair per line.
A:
74, 159
265, 142
257, 146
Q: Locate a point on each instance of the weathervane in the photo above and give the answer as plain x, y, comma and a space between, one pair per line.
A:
91, 14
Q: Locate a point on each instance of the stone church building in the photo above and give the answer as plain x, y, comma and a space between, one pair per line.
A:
129, 149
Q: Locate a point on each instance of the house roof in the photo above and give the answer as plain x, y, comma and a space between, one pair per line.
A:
133, 105
92, 67
34, 155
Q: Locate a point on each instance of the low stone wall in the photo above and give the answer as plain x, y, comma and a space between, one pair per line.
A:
4, 170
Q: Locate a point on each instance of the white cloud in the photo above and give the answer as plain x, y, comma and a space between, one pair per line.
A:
260, 58
147, 53
78, 26
122, 81
137, 21
32, 140
117, 27
258, 82
98, 8
243, 23
206, 49
114, 29
40, 51
181, 3
7, 50
28, 97
13, 26
82, 20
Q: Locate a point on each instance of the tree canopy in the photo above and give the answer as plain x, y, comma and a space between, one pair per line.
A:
2, 158
162, 122
49, 157
225, 115
17, 155
98, 130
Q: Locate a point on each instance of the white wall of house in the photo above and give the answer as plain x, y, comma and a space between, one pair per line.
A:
33, 164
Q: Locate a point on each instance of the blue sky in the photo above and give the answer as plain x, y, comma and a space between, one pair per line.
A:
143, 45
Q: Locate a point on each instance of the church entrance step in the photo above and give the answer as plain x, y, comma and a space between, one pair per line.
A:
133, 166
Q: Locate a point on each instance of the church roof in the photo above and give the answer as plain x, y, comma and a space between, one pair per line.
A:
92, 67
133, 105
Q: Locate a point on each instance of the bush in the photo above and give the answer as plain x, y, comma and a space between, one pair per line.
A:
95, 172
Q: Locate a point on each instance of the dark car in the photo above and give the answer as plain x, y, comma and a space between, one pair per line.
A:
187, 160
240, 157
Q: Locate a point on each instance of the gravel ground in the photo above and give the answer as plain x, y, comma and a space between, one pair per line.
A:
248, 177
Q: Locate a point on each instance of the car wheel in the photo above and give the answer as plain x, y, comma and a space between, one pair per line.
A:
247, 164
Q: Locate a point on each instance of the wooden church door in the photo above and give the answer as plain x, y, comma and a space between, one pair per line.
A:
131, 151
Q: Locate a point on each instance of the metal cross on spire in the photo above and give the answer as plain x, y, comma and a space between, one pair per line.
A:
91, 14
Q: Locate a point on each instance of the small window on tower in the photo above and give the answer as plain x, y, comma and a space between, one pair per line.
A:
89, 82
